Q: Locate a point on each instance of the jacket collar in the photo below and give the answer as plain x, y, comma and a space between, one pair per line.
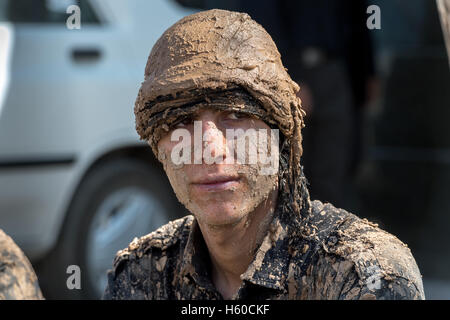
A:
268, 268
270, 265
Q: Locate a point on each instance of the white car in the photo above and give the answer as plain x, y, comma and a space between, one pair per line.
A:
76, 184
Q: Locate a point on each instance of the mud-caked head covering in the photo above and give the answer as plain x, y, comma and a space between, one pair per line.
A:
227, 60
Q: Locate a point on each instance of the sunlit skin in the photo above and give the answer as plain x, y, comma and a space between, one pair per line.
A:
233, 203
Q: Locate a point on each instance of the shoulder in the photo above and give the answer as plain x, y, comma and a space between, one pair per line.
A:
162, 239
145, 256
380, 265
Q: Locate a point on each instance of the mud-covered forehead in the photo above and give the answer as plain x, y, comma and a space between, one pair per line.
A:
167, 112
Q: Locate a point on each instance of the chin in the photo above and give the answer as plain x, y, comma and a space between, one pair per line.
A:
219, 214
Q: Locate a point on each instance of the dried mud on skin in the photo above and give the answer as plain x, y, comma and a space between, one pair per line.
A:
213, 52
17, 278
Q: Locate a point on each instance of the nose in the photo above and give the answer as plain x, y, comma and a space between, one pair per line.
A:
213, 140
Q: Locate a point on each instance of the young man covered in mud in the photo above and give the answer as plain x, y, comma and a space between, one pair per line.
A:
254, 233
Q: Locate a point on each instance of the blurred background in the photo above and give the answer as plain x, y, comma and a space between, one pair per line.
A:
76, 184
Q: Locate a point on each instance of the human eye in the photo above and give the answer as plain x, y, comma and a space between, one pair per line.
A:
236, 116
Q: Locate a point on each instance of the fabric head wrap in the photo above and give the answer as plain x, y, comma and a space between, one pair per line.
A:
226, 60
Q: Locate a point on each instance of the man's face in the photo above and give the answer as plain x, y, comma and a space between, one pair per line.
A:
216, 184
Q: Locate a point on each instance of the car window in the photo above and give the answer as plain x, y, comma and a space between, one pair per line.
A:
44, 11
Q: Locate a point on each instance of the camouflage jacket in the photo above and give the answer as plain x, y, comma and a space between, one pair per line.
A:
17, 278
347, 258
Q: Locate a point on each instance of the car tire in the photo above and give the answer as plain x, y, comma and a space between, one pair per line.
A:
120, 199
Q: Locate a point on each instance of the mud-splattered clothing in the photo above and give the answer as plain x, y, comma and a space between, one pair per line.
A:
17, 278
341, 257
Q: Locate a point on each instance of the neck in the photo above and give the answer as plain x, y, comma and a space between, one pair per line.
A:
232, 247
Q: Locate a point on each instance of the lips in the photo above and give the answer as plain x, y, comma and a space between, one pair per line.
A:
216, 183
